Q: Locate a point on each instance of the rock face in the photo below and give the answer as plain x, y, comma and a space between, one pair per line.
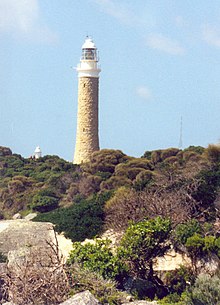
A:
82, 298
22, 236
171, 260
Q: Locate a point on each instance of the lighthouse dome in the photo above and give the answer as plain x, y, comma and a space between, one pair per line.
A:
37, 150
37, 153
89, 44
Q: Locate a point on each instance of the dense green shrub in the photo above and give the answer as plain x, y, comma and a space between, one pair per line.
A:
142, 243
44, 203
82, 220
197, 149
195, 248
147, 154
208, 188
98, 257
177, 279
186, 230
104, 160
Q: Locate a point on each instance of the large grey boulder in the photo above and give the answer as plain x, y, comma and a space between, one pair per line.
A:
21, 236
82, 298
16, 234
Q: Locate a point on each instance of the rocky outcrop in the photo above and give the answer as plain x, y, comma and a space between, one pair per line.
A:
171, 260
82, 298
21, 236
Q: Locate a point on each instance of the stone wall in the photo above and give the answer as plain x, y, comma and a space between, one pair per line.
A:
87, 137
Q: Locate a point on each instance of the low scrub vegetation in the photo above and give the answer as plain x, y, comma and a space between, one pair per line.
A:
166, 197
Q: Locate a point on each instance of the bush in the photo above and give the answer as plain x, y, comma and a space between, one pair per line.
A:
38, 279
208, 188
80, 221
44, 203
206, 290
104, 160
104, 290
197, 149
142, 243
143, 179
213, 153
98, 257
177, 279
125, 206
186, 230
114, 182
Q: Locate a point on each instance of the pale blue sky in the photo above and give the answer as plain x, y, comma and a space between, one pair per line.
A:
160, 60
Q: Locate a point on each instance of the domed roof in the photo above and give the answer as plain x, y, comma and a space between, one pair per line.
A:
89, 44
37, 150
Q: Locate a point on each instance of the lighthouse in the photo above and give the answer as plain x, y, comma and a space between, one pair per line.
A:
37, 153
87, 134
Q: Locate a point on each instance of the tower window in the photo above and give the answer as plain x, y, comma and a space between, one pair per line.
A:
88, 54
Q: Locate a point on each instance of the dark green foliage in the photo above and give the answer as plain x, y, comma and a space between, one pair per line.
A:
208, 188
186, 230
3, 258
98, 257
44, 203
81, 220
21, 180
142, 242
197, 149
195, 248
147, 155
11, 165
177, 279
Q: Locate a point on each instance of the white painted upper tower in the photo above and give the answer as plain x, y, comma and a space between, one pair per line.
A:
37, 153
87, 135
88, 66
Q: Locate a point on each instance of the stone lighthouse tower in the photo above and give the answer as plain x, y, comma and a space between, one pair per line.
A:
87, 135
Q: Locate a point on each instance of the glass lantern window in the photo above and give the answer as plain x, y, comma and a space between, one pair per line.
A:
88, 54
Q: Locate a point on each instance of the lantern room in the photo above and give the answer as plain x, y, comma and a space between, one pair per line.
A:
88, 66
89, 50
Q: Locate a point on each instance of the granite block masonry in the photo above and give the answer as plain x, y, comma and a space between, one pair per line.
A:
87, 135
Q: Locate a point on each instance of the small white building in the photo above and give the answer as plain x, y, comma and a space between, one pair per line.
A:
37, 153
